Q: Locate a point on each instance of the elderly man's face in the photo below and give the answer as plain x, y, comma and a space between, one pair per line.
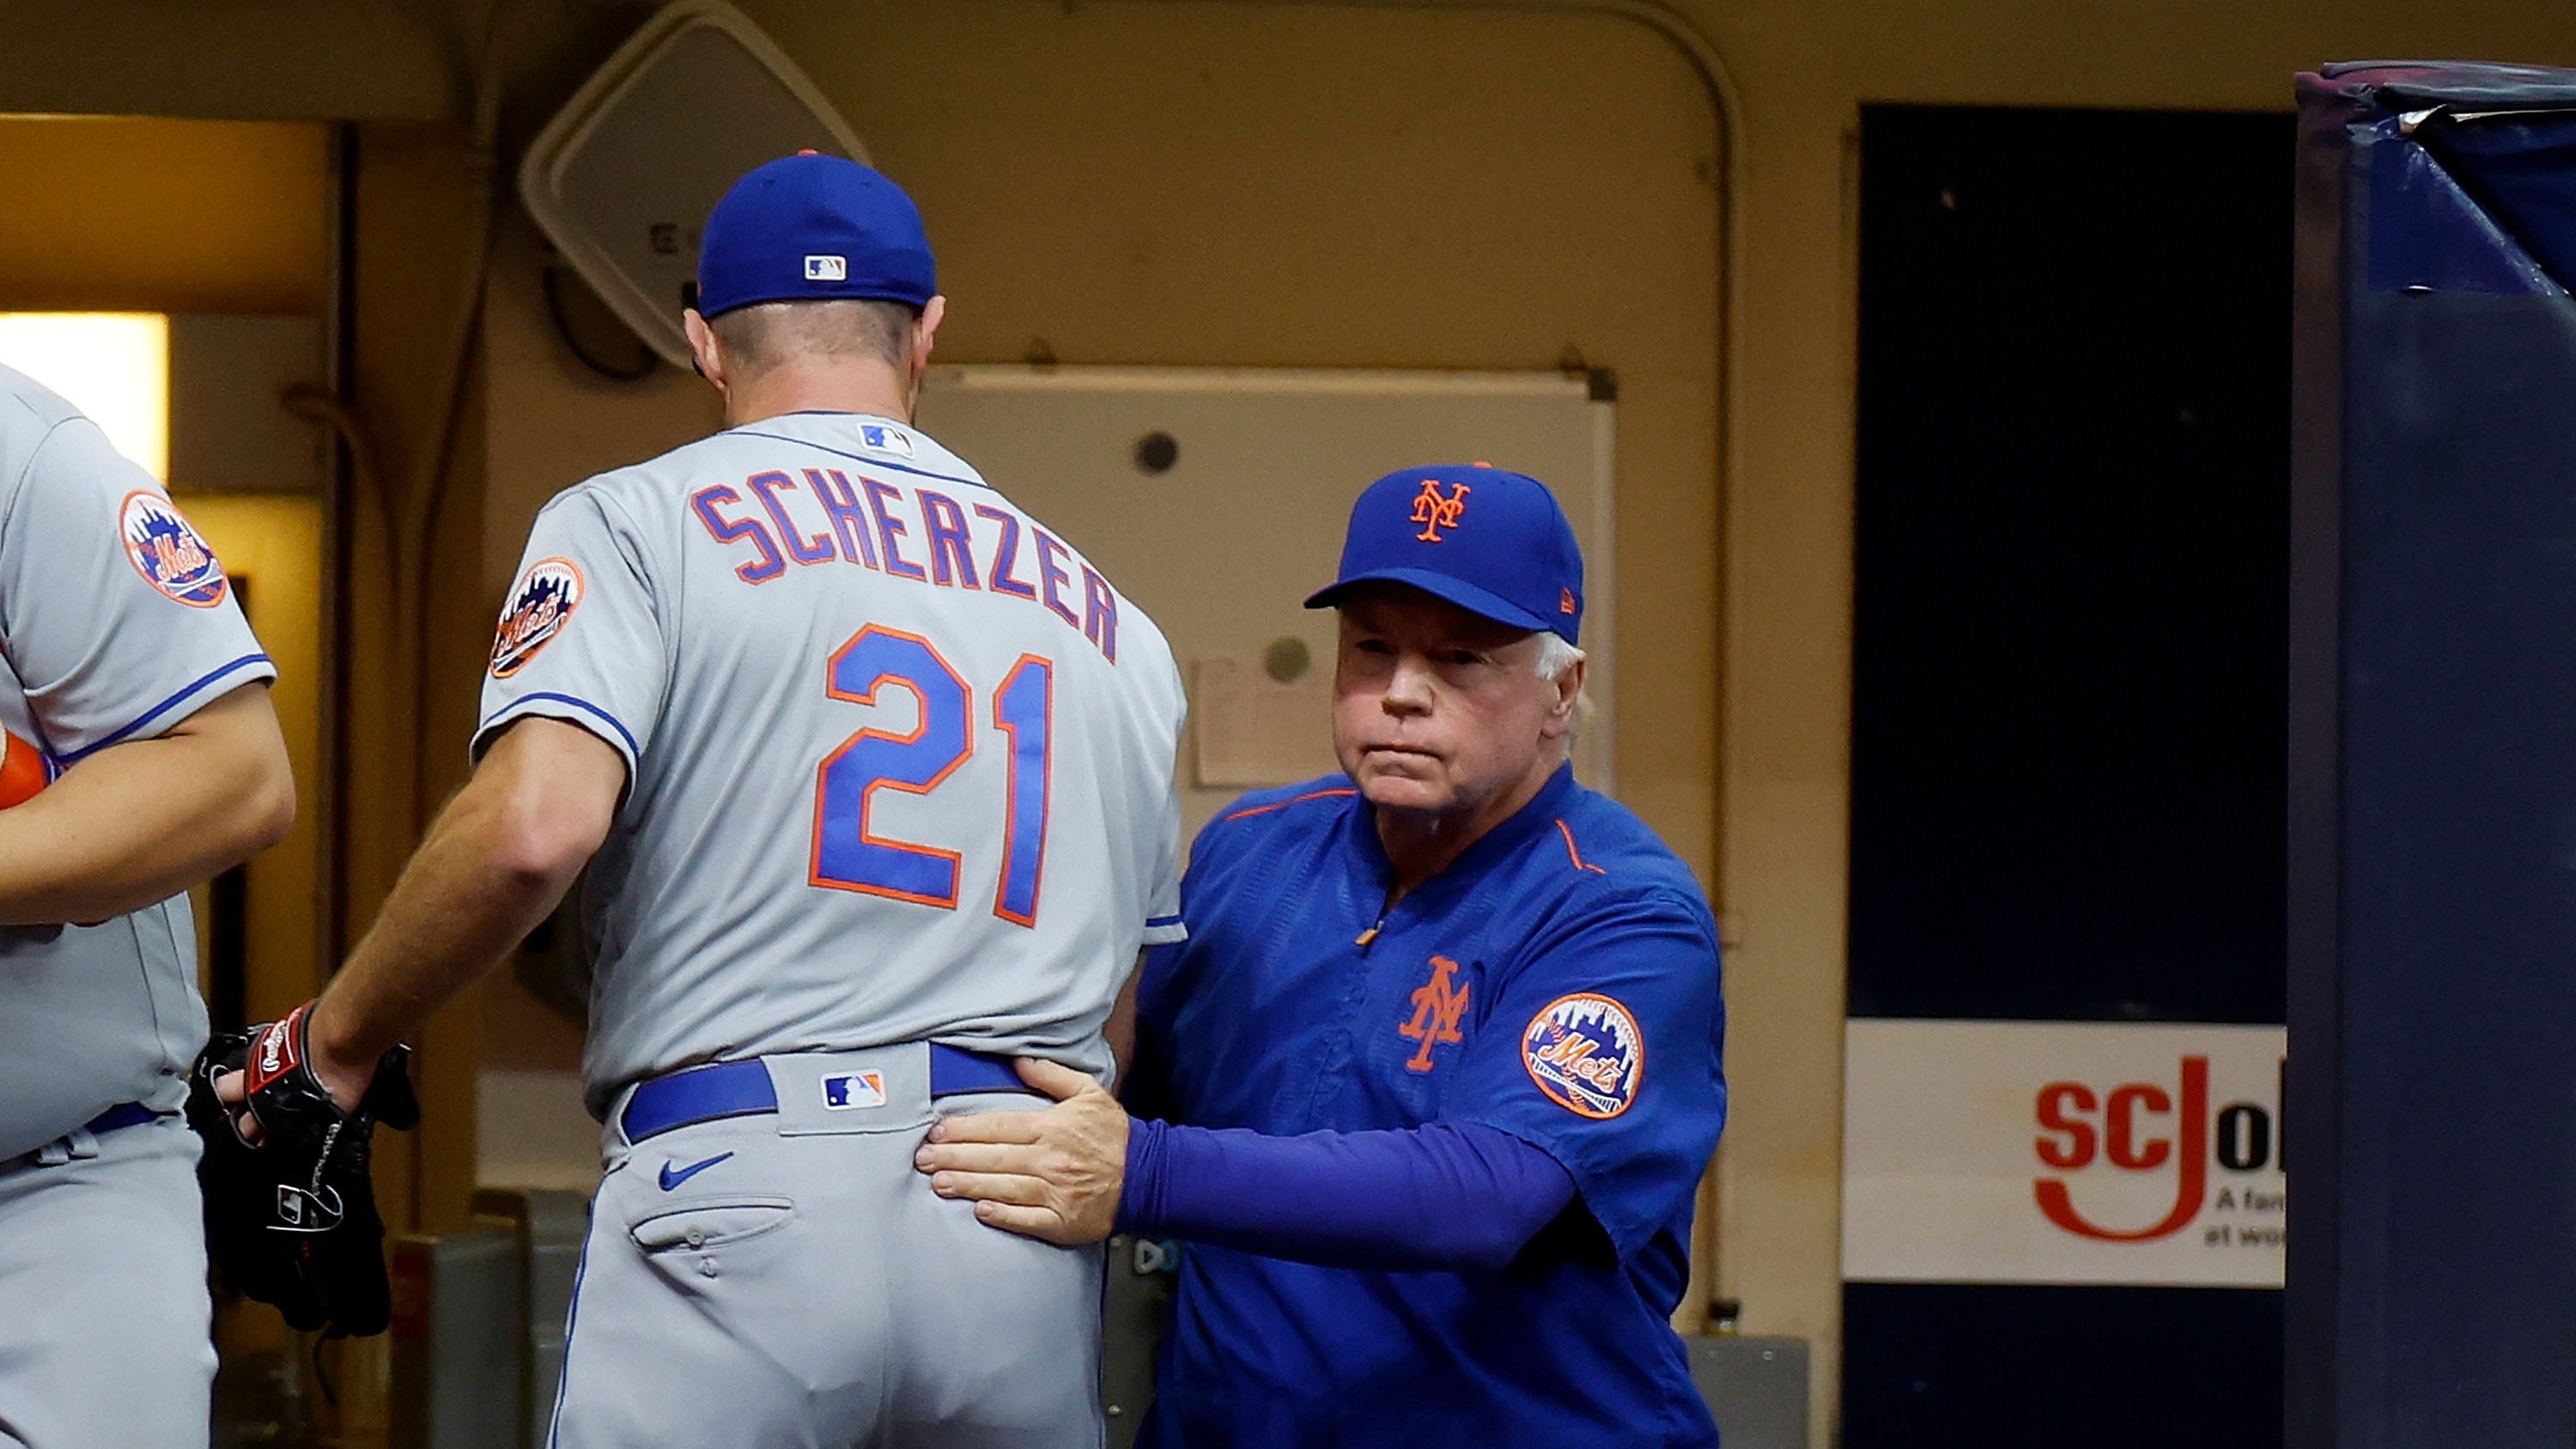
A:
1436, 709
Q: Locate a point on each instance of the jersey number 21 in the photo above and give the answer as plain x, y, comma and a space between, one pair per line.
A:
848, 855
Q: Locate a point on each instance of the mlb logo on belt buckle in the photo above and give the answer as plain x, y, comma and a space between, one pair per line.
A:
827, 269
849, 1091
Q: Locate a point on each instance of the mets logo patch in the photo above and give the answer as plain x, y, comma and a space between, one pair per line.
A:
169, 552
1586, 1053
541, 604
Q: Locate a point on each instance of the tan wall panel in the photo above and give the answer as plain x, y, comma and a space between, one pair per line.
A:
140, 214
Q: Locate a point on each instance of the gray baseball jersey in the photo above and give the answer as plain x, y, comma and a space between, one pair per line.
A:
899, 758
116, 622
899, 771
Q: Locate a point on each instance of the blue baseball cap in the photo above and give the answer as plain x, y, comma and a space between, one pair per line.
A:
811, 227
1491, 541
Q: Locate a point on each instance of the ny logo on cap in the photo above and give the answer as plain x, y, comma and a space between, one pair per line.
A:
827, 269
1434, 512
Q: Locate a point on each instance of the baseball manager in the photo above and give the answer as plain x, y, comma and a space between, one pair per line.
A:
1429, 1089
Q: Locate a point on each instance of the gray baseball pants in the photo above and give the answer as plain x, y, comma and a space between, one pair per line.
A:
787, 1279
104, 1317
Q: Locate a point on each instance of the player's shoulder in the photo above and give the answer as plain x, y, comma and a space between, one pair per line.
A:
29, 412
26, 402
39, 428
669, 475
1603, 859
645, 496
1282, 810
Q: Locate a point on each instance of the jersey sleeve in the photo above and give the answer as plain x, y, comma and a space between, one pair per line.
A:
1604, 1050
581, 637
115, 612
1164, 924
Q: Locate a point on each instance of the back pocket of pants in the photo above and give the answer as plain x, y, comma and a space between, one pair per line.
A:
711, 1224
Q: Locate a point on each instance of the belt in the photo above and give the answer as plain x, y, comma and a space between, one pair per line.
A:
59, 1151
132, 1114
743, 1089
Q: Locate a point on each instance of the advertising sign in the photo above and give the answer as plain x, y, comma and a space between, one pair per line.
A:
2049, 1152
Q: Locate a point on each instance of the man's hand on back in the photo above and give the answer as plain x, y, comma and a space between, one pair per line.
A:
1054, 1175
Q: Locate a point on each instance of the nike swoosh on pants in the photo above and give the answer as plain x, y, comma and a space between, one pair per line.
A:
672, 1179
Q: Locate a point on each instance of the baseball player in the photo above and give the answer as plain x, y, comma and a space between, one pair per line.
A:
873, 775
131, 683
1438, 1066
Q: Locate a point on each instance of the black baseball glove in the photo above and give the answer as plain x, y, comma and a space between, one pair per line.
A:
291, 1220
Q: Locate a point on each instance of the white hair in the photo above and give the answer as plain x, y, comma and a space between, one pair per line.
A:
1555, 656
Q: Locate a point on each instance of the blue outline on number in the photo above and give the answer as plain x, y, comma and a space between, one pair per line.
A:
848, 779
847, 855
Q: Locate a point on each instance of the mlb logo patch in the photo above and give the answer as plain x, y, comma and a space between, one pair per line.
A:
827, 269
1585, 1052
878, 438
850, 1091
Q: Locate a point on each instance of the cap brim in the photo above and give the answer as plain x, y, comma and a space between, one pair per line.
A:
1439, 586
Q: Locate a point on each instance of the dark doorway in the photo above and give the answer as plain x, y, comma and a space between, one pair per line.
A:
2069, 686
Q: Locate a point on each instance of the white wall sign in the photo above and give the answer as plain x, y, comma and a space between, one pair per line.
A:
2043, 1152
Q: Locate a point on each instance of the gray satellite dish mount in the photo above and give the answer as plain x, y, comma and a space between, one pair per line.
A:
623, 176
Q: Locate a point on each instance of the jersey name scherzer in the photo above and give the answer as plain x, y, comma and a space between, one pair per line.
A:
899, 758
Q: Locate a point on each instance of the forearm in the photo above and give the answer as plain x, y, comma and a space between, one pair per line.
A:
143, 820
464, 901
1440, 1197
